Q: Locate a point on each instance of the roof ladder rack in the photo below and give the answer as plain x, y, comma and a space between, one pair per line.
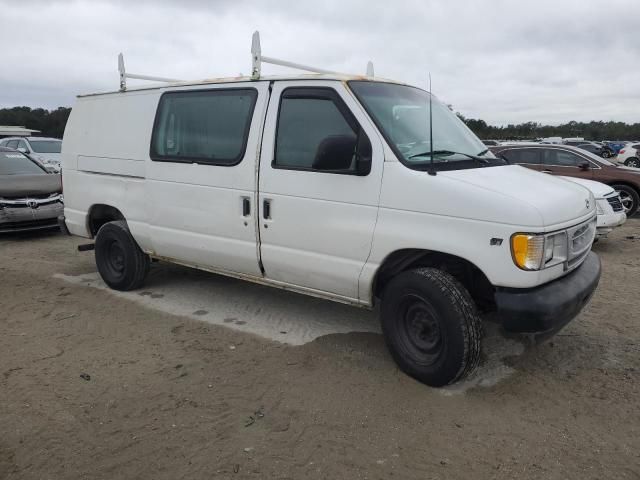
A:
257, 59
124, 75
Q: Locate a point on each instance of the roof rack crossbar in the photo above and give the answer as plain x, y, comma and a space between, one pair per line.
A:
257, 59
124, 75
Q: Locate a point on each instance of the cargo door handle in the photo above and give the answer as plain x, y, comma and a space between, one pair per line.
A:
246, 207
266, 209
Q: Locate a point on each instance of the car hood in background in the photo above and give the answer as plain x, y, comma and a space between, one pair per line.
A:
599, 190
26, 185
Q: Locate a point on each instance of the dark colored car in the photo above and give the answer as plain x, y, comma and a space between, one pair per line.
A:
30, 197
602, 150
575, 162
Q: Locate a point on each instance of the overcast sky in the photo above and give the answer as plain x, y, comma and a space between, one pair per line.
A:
502, 61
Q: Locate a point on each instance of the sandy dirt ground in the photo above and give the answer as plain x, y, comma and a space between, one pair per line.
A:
197, 376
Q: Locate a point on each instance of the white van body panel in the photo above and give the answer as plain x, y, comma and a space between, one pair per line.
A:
328, 233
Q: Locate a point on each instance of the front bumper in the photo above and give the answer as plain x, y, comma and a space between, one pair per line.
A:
608, 221
23, 218
549, 307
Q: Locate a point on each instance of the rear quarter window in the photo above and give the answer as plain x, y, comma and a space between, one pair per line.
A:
204, 126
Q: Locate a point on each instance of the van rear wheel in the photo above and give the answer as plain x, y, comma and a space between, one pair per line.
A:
120, 261
431, 326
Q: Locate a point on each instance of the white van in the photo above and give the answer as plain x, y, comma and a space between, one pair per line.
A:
332, 186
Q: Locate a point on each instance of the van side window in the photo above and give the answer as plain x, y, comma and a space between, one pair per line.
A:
203, 126
317, 132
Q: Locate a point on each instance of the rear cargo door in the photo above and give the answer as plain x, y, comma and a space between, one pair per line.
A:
201, 177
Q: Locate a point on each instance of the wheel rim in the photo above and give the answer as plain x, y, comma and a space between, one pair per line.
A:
421, 335
115, 262
606, 154
633, 163
626, 199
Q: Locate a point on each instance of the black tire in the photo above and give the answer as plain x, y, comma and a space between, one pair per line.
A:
606, 153
632, 162
431, 326
630, 198
121, 263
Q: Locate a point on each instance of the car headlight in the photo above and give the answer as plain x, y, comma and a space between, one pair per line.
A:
533, 251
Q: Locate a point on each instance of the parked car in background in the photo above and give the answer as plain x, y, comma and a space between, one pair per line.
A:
575, 162
629, 155
608, 205
593, 148
614, 146
30, 197
43, 149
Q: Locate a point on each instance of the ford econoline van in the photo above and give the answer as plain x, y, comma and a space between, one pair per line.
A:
348, 188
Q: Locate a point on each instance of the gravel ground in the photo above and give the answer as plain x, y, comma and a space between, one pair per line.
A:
99, 385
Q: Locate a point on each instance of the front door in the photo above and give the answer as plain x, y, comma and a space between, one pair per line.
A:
317, 212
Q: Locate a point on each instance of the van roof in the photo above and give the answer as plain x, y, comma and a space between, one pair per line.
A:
248, 79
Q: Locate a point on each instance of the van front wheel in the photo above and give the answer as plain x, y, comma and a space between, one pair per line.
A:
431, 326
121, 263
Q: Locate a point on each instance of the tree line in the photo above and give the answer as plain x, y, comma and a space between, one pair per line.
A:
51, 123
531, 130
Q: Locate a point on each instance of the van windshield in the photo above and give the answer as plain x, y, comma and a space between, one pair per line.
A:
402, 114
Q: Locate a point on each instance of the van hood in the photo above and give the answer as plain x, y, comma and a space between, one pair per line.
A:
555, 200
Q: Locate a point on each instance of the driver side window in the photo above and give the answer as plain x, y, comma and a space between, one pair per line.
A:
317, 132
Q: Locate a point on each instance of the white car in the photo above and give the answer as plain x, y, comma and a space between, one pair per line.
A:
610, 212
43, 149
628, 155
333, 186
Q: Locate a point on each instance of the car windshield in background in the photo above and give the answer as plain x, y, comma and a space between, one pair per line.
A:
597, 158
402, 113
46, 146
14, 163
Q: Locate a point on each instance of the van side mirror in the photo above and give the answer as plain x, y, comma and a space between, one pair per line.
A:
584, 166
335, 152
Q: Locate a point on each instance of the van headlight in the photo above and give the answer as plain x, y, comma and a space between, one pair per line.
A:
532, 251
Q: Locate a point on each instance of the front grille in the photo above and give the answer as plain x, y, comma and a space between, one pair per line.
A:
615, 203
39, 197
580, 241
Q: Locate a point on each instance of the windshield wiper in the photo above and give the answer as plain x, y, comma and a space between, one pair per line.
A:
483, 152
476, 158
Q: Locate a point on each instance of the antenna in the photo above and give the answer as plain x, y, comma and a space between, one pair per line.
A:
431, 170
